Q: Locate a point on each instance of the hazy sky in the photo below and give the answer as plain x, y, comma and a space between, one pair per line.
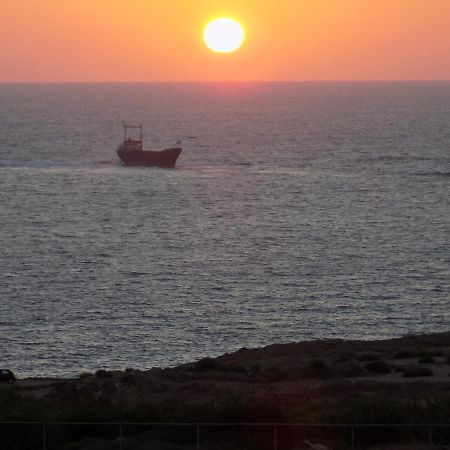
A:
161, 40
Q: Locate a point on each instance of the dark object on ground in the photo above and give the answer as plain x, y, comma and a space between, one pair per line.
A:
6, 376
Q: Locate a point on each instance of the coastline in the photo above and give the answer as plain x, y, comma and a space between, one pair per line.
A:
397, 381
406, 360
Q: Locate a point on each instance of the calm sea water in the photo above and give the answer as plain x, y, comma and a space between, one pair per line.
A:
296, 211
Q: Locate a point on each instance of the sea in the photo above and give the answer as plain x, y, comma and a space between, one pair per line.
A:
296, 211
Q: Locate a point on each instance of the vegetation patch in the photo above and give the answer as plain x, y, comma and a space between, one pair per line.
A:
404, 354
426, 360
378, 366
414, 372
102, 373
206, 364
368, 357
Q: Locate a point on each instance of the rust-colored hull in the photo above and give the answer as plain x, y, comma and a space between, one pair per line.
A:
164, 158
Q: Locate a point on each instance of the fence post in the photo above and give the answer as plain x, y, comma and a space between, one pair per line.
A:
275, 437
430, 439
198, 438
120, 437
44, 437
352, 438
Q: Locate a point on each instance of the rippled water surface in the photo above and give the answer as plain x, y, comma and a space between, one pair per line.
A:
296, 211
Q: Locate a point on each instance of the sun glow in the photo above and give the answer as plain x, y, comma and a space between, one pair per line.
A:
224, 35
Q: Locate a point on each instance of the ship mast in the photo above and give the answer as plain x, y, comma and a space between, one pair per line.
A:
127, 126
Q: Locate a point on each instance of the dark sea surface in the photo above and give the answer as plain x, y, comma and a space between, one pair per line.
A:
296, 212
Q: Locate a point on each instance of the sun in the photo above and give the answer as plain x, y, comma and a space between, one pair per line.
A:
223, 35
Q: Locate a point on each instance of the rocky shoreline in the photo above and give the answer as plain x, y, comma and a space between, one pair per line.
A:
403, 380
411, 359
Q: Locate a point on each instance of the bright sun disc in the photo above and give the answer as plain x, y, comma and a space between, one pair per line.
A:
223, 35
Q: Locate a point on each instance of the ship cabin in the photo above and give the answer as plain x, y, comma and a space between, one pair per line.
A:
131, 142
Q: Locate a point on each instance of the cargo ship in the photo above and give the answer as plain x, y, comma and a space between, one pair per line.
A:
131, 151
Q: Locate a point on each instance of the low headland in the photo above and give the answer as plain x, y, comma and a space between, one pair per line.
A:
397, 381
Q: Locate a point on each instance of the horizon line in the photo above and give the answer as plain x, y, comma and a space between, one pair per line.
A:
230, 81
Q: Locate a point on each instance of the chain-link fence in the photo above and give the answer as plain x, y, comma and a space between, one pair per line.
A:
221, 436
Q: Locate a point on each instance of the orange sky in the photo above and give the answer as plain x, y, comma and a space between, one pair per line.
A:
161, 40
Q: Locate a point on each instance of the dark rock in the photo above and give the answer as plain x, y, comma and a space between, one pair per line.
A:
6, 376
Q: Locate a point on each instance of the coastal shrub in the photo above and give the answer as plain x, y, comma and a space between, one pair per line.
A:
15, 406
237, 368
318, 364
389, 409
255, 368
344, 357
436, 353
377, 366
85, 375
102, 373
426, 360
425, 372
414, 372
236, 410
359, 409
404, 354
206, 364
128, 378
160, 388
349, 370
368, 357
316, 369
275, 375
258, 378
242, 349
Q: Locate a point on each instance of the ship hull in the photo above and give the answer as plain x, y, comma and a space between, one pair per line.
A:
164, 158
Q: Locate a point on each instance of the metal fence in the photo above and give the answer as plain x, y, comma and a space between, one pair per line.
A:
220, 436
